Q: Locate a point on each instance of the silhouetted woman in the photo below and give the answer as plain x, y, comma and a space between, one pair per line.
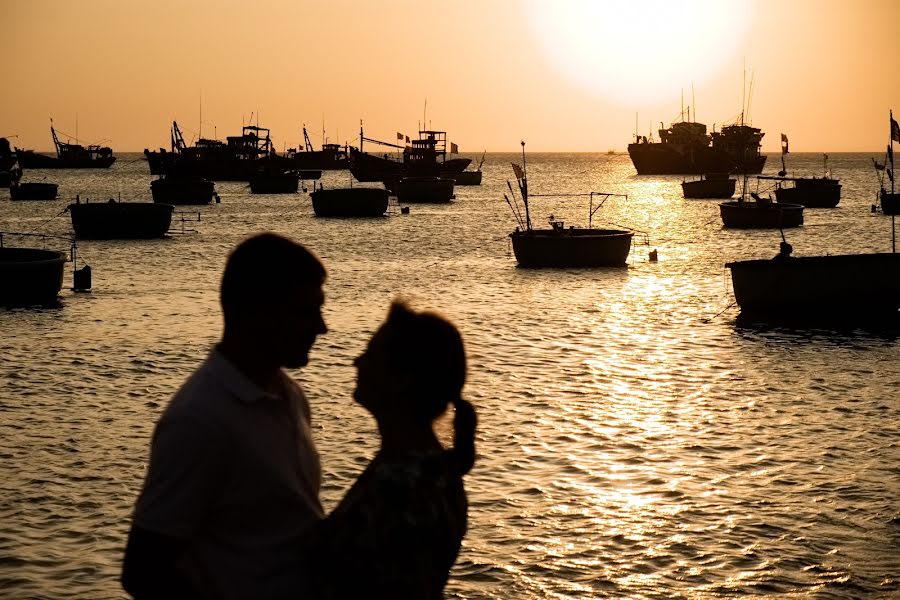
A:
397, 532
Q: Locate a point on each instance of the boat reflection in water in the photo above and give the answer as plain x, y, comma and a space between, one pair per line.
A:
559, 246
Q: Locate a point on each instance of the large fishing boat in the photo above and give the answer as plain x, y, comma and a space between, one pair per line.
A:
423, 157
236, 159
68, 156
330, 157
685, 148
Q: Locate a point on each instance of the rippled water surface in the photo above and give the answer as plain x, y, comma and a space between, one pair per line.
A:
633, 442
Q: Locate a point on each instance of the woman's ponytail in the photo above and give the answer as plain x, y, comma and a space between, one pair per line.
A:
464, 424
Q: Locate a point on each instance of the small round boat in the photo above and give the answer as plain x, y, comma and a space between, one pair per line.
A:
33, 191
760, 214
30, 276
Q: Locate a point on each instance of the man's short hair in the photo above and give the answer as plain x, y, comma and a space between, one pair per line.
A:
262, 270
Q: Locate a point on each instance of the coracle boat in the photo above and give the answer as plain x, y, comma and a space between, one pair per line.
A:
423, 189
350, 202
837, 287
710, 185
120, 220
559, 246
33, 191
686, 148
759, 213
287, 182
68, 156
183, 190
470, 177
30, 276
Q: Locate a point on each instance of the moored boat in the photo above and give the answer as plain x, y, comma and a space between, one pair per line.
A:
68, 156
350, 202
889, 201
839, 287
469, 177
423, 189
425, 156
811, 192
275, 183
560, 246
182, 190
710, 185
760, 213
10, 170
33, 191
30, 276
120, 220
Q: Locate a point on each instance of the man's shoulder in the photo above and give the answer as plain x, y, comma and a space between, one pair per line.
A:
203, 395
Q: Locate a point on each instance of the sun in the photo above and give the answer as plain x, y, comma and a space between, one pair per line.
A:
635, 52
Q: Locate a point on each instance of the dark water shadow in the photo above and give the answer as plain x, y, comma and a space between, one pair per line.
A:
816, 328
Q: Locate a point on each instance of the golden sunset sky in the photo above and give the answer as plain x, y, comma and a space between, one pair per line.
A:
565, 75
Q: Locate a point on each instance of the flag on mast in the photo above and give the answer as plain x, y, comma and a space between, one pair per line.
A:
399, 136
895, 129
518, 171
454, 149
784, 144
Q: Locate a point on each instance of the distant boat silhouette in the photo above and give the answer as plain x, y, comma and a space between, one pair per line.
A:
272, 182
759, 213
33, 191
237, 159
426, 156
423, 189
560, 246
710, 185
120, 220
469, 177
10, 170
330, 157
811, 192
686, 148
890, 201
68, 156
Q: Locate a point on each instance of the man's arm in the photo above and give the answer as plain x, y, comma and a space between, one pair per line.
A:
150, 568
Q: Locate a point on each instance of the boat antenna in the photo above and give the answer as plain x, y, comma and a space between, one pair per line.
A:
750, 94
693, 100
523, 186
76, 127
744, 92
201, 114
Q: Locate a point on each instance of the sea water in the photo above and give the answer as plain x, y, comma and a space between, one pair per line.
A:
634, 439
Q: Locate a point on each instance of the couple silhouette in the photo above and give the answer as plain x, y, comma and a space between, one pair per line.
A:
230, 504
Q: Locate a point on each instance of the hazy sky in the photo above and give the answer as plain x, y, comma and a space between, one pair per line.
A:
565, 75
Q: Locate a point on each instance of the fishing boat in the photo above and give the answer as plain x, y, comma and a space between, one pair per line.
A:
423, 189
120, 220
426, 156
10, 170
183, 190
710, 185
329, 157
561, 246
33, 191
889, 201
269, 182
68, 156
350, 202
469, 177
836, 287
236, 159
811, 192
686, 148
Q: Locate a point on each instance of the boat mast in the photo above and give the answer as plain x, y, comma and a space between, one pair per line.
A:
55, 139
523, 186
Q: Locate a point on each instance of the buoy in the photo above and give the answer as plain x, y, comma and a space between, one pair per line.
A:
81, 279
874, 209
404, 210
653, 256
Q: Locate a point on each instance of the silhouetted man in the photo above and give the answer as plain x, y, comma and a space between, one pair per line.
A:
233, 480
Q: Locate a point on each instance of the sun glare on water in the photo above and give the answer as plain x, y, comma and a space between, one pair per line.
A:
636, 52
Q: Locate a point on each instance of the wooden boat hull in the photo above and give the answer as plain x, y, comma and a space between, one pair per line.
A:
282, 183
811, 193
840, 286
350, 202
29, 276
30, 159
890, 203
664, 159
571, 247
369, 168
709, 188
467, 178
33, 191
435, 190
120, 220
183, 191
754, 215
